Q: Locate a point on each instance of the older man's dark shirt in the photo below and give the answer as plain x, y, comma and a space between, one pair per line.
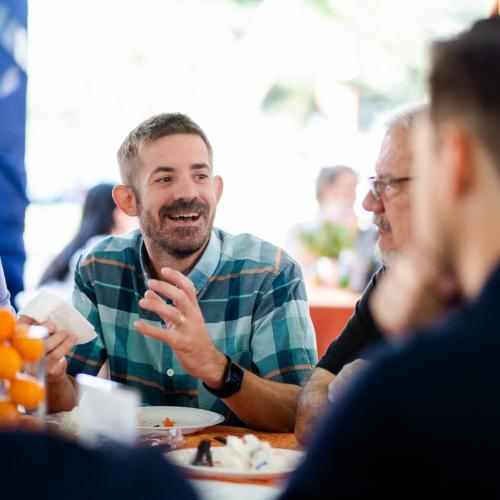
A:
359, 334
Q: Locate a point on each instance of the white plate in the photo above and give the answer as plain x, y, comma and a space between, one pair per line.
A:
289, 459
188, 420
223, 490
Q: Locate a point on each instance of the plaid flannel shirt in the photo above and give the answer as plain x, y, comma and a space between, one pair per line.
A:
252, 297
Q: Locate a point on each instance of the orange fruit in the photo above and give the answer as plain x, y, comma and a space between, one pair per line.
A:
10, 362
9, 415
26, 391
31, 349
7, 324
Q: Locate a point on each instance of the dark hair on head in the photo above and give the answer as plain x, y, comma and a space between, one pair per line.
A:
464, 82
330, 175
97, 218
149, 130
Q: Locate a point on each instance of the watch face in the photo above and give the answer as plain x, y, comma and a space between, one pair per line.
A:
235, 376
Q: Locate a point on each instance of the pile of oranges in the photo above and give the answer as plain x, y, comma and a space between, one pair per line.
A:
20, 346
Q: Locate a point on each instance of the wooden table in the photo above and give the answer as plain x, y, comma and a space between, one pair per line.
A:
276, 439
330, 309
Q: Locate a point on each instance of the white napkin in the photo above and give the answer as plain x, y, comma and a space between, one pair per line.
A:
48, 306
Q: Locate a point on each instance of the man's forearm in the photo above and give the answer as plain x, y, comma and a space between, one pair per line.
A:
311, 403
265, 405
61, 394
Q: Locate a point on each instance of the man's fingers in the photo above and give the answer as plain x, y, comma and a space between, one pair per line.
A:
169, 314
51, 327
25, 320
179, 280
172, 292
62, 349
57, 339
164, 334
56, 369
152, 295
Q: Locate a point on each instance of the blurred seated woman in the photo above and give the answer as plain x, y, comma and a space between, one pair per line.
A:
100, 218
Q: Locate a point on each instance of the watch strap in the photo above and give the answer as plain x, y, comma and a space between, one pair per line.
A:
231, 383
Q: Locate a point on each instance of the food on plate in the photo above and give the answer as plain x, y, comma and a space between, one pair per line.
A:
243, 454
167, 422
68, 421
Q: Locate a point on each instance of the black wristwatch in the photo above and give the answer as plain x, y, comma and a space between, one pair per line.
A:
231, 383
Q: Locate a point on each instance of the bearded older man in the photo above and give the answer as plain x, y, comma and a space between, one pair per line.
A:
186, 313
423, 421
389, 201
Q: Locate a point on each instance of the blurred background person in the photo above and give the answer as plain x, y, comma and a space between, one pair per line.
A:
333, 227
324, 246
100, 218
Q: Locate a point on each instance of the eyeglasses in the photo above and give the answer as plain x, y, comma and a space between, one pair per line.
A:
386, 188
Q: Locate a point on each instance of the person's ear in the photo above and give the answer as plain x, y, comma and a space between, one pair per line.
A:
457, 148
125, 199
219, 187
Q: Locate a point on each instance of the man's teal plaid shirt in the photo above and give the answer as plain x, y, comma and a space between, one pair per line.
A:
250, 292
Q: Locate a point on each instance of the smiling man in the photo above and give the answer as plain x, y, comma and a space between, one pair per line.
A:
186, 313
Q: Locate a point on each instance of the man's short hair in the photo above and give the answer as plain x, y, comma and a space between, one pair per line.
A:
149, 130
405, 118
330, 175
464, 82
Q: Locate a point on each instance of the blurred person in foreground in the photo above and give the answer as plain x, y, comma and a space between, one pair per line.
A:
184, 312
389, 201
46, 467
424, 420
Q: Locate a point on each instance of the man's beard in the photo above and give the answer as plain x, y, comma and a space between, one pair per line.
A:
381, 223
386, 255
180, 242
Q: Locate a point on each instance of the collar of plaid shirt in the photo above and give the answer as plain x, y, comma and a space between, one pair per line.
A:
204, 268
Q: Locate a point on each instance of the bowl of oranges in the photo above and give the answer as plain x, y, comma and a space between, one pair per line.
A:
22, 388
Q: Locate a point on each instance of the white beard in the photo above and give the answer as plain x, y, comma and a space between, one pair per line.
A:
386, 256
